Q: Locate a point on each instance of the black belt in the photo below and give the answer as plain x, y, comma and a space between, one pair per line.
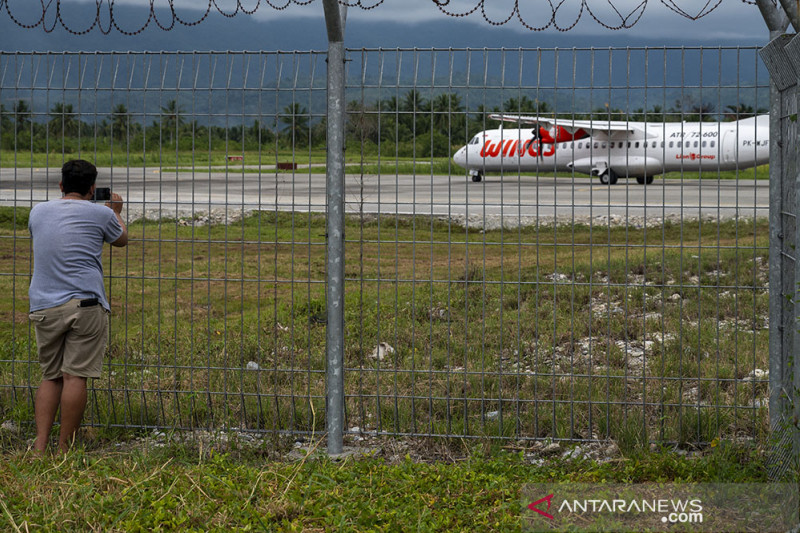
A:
88, 302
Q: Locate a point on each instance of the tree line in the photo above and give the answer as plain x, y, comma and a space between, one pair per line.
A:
407, 125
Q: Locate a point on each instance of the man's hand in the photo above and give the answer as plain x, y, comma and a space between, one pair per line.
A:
115, 203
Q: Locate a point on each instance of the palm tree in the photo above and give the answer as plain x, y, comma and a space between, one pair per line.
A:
62, 120
390, 104
22, 114
5, 119
391, 127
413, 101
524, 105
413, 108
740, 111
120, 121
691, 111
479, 120
448, 113
295, 119
362, 121
656, 114
171, 119
703, 112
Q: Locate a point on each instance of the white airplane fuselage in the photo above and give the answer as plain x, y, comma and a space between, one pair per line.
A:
632, 149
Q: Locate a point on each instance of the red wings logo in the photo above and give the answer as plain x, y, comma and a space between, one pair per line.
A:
510, 147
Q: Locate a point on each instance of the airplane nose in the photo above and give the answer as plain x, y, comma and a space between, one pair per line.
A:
460, 158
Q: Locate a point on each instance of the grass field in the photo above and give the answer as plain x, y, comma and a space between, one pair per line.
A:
565, 332
159, 158
122, 485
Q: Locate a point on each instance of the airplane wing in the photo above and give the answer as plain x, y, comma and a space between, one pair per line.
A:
600, 129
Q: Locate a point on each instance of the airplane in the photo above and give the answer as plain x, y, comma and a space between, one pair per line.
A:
613, 149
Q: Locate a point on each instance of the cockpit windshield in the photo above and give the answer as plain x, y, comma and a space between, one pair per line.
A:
475, 140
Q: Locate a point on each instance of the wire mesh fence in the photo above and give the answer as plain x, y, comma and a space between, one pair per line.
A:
511, 301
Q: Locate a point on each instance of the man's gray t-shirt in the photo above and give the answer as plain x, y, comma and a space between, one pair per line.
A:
68, 237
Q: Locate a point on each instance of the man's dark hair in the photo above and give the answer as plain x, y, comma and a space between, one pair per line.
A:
78, 176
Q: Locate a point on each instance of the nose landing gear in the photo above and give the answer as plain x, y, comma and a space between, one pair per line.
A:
476, 175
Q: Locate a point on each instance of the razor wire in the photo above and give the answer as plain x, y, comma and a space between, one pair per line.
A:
626, 21
170, 17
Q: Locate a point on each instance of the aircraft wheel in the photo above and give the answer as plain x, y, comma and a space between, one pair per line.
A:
609, 177
644, 180
477, 177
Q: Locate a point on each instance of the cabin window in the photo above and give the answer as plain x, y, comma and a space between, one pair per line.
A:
604, 146
654, 144
713, 144
671, 144
695, 144
596, 146
637, 144
704, 144
662, 144
629, 144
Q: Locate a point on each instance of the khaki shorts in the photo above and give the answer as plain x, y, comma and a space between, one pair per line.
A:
71, 339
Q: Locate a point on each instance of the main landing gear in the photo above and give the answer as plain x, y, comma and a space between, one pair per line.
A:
608, 177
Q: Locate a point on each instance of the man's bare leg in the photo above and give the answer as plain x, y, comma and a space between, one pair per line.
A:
73, 403
48, 396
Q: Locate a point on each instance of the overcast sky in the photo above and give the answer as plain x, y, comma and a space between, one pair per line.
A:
732, 20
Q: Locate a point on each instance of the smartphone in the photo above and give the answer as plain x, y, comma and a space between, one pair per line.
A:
101, 194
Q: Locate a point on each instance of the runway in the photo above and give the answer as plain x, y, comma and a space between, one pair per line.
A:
156, 193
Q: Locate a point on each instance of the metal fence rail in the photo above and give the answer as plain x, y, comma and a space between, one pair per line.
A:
527, 305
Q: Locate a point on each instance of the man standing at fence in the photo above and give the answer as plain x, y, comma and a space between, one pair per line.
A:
68, 302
